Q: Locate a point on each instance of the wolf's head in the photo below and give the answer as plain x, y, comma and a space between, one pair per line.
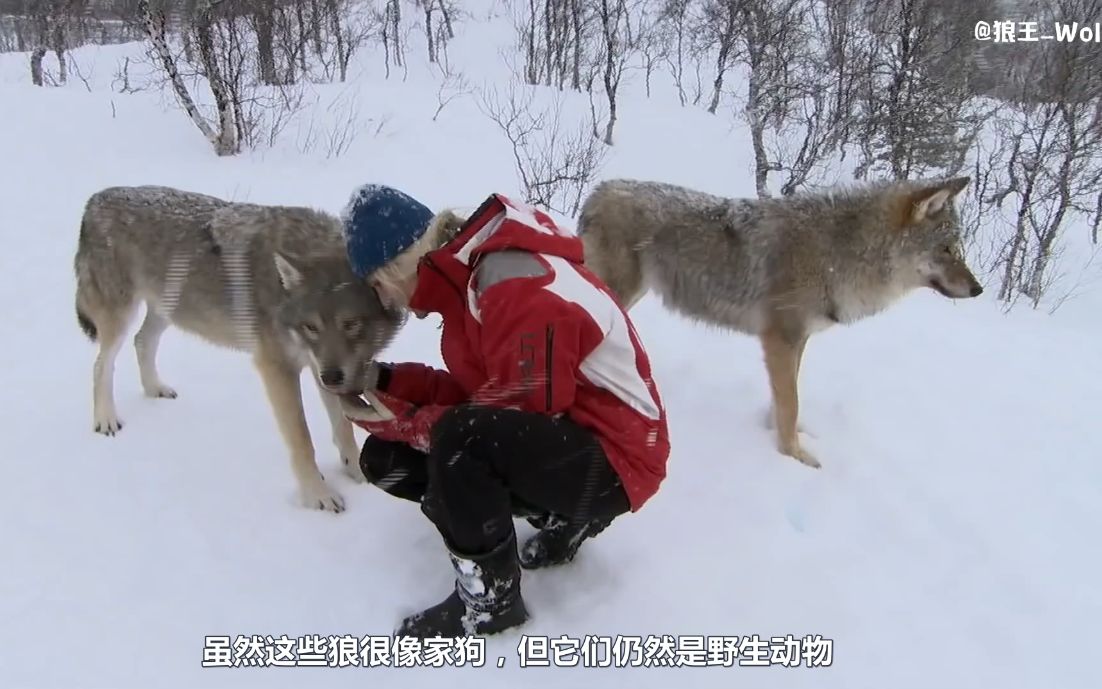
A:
930, 238
338, 318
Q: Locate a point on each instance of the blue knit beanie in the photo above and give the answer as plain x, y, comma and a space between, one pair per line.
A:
380, 223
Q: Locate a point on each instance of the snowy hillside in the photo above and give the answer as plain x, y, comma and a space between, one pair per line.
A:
950, 539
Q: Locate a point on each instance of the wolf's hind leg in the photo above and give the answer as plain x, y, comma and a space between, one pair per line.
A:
111, 325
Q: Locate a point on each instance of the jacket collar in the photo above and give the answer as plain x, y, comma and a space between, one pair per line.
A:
499, 224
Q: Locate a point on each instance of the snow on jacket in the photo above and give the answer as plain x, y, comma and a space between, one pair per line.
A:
526, 325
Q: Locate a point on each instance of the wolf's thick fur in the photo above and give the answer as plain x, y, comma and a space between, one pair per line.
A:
270, 280
779, 268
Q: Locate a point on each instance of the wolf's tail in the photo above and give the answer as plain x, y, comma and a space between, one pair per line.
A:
85, 286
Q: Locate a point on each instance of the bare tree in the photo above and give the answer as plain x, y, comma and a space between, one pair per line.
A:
428, 7
359, 24
331, 30
438, 25
392, 34
339, 129
264, 21
616, 48
809, 125
1052, 168
553, 38
155, 25
248, 111
676, 19
578, 37
533, 51
719, 27
316, 23
48, 30
37, 55
453, 85
302, 31
227, 141
767, 39
57, 36
338, 34
447, 14
652, 38
916, 106
555, 165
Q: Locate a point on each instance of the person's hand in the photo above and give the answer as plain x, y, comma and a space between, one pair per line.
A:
388, 418
366, 407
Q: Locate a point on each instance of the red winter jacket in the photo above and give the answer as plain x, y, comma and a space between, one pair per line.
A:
526, 325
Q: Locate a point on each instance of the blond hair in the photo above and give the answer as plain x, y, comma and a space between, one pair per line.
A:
402, 267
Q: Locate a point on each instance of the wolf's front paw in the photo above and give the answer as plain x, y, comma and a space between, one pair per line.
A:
321, 497
352, 468
796, 451
161, 391
107, 424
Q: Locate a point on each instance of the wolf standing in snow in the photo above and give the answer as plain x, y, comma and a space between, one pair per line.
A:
270, 280
781, 269
546, 410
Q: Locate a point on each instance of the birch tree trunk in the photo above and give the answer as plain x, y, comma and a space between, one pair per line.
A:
225, 142
36, 66
155, 29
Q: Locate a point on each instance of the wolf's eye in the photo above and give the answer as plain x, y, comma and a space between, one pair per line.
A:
310, 328
350, 325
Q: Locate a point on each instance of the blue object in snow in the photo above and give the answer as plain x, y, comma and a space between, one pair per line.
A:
381, 222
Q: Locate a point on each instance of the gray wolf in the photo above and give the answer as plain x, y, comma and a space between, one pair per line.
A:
778, 268
272, 281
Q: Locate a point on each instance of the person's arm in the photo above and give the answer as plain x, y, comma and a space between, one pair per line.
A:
419, 384
532, 342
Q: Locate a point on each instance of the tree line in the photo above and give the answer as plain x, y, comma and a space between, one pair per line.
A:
882, 89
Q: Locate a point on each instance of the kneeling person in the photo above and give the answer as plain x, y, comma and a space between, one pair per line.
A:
547, 408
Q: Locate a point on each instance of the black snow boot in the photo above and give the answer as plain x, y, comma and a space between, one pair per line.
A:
486, 599
557, 540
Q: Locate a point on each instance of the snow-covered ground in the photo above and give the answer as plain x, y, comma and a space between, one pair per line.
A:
950, 540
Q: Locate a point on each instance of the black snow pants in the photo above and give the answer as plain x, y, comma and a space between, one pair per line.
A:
487, 465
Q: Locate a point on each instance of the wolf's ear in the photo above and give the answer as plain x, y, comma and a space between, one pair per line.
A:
933, 199
289, 275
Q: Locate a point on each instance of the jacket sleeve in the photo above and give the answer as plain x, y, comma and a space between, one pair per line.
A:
421, 384
532, 343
